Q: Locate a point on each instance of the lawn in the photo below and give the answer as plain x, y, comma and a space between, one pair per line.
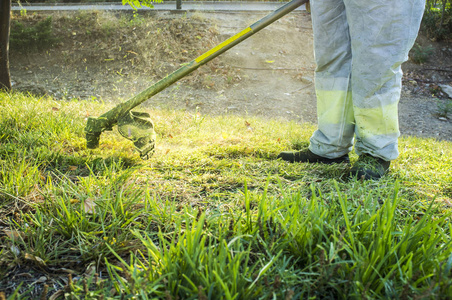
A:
213, 214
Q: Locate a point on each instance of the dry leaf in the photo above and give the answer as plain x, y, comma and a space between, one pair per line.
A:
90, 271
13, 234
89, 206
444, 201
73, 168
57, 295
69, 271
35, 258
55, 109
28, 275
248, 126
447, 202
41, 279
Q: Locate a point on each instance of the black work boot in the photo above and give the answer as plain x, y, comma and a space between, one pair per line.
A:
369, 167
308, 156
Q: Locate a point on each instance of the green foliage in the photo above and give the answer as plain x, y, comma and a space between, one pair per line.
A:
212, 215
437, 21
444, 108
39, 36
140, 3
420, 54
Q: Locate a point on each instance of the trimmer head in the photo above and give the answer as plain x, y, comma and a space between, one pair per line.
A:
135, 126
139, 128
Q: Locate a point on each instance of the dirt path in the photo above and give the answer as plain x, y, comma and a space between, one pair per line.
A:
269, 75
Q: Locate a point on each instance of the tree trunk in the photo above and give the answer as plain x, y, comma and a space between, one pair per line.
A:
5, 21
443, 11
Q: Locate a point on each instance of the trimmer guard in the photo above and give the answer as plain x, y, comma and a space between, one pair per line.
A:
139, 128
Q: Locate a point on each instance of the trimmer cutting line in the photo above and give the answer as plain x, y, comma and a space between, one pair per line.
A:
138, 126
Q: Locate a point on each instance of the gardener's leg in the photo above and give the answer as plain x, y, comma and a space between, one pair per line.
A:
382, 33
333, 140
334, 137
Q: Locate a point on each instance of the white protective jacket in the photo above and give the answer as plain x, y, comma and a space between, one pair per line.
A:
359, 48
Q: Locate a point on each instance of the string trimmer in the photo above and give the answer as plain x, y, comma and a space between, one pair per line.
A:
138, 126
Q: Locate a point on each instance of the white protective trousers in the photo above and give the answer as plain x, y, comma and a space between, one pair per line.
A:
360, 46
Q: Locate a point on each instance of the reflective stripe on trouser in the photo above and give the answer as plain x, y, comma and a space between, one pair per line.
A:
359, 48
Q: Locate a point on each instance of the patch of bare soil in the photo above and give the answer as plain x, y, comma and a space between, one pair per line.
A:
113, 56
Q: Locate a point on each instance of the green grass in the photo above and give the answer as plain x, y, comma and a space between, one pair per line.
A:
212, 215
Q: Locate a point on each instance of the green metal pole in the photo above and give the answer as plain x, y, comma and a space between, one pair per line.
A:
95, 126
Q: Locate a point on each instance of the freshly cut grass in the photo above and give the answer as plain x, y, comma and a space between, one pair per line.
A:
213, 215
